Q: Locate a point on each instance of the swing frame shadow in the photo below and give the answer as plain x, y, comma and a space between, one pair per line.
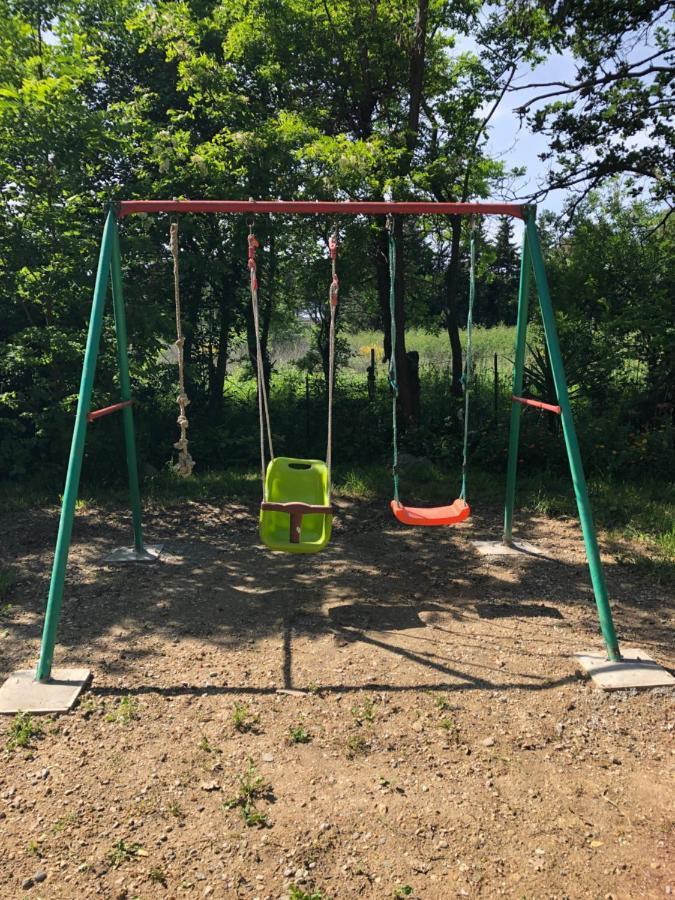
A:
110, 270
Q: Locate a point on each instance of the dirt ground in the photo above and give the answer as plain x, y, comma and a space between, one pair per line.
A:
394, 717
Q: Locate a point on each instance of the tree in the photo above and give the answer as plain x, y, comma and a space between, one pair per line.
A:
613, 116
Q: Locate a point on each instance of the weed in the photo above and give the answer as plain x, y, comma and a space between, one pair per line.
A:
299, 735
442, 702
126, 712
357, 745
156, 875
365, 712
6, 611
22, 731
242, 719
252, 787
297, 893
207, 746
176, 810
403, 891
60, 824
122, 852
34, 848
314, 688
88, 707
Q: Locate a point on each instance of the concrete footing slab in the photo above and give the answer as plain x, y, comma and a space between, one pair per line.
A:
122, 555
635, 669
515, 548
22, 693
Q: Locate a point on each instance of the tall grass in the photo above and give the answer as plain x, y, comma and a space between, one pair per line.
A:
434, 348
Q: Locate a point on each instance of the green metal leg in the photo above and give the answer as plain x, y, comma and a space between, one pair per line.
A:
519, 364
55, 599
125, 389
572, 445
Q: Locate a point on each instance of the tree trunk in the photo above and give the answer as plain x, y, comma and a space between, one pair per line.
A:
450, 286
265, 308
408, 387
381, 259
219, 370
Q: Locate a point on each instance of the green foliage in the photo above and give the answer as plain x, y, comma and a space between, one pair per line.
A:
125, 712
298, 734
122, 852
22, 732
251, 788
104, 100
297, 893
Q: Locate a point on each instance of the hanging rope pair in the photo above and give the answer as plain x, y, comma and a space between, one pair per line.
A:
185, 463
296, 512
263, 400
459, 510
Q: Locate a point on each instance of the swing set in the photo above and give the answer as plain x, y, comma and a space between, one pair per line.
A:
296, 509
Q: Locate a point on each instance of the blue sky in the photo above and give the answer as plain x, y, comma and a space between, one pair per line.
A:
515, 143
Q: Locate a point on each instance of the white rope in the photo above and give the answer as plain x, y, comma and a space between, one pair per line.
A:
185, 463
332, 302
263, 404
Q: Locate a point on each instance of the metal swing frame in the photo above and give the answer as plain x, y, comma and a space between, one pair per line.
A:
110, 271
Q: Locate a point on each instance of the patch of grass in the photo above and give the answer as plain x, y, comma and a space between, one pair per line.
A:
207, 746
242, 719
23, 731
442, 702
122, 852
365, 712
34, 848
61, 824
298, 734
297, 893
156, 875
126, 711
252, 787
403, 890
357, 745
176, 810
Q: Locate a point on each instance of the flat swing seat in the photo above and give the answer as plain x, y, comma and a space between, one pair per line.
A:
433, 515
296, 516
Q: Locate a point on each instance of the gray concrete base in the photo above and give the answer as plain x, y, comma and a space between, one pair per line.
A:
516, 548
635, 669
151, 553
21, 693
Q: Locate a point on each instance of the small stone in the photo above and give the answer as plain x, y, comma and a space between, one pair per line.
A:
40, 876
267, 757
209, 786
27, 884
324, 826
489, 742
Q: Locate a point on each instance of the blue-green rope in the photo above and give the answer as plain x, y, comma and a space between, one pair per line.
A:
393, 379
467, 368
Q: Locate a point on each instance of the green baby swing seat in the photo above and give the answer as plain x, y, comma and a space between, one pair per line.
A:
296, 514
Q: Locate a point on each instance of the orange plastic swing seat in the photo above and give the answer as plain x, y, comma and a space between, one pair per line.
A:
434, 515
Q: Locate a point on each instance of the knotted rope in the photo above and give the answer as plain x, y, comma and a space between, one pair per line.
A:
185, 463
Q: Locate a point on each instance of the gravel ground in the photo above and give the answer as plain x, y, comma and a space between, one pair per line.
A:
394, 717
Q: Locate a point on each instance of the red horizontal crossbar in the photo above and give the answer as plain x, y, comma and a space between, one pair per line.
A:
315, 207
100, 413
526, 401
